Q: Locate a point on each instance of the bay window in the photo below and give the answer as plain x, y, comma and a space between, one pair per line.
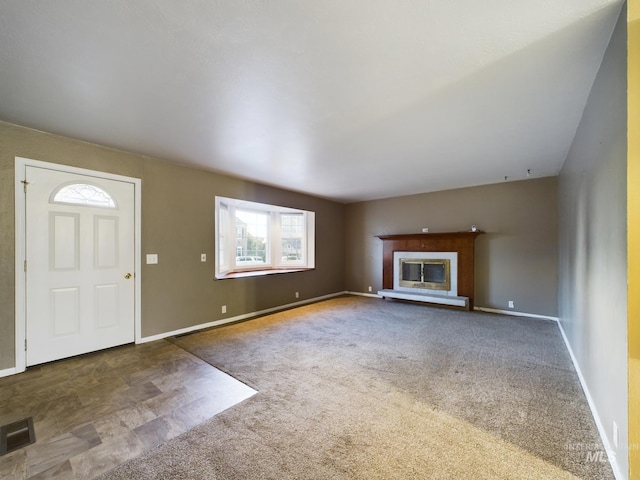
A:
267, 239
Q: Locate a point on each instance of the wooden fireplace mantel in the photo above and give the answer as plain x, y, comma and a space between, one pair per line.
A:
460, 242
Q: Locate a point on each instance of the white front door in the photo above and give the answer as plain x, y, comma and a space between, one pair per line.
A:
80, 258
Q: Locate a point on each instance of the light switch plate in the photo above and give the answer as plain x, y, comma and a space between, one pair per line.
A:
203, 257
152, 258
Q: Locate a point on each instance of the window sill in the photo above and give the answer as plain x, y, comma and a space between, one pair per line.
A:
260, 273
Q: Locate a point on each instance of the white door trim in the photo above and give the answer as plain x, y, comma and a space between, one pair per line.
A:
20, 247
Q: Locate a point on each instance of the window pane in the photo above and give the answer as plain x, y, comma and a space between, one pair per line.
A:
223, 232
84, 194
292, 230
252, 231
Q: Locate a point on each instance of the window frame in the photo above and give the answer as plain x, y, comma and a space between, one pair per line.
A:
276, 259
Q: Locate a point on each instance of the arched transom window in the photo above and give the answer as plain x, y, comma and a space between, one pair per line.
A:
83, 194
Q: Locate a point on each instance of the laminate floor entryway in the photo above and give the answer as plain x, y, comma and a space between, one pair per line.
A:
94, 412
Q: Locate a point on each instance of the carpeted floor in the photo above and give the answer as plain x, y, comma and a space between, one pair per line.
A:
362, 388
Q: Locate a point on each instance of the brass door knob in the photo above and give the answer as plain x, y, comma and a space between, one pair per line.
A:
127, 276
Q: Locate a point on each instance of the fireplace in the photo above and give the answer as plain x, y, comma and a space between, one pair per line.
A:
425, 273
429, 267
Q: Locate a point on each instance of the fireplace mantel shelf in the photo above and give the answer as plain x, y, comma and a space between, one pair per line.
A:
460, 242
427, 236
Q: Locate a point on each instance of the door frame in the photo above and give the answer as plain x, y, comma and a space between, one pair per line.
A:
20, 248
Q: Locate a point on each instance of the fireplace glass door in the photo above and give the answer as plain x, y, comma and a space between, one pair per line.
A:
425, 273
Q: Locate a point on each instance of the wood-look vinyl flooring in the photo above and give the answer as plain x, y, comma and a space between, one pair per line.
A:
92, 413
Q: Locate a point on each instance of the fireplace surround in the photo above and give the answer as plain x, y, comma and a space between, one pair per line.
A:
426, 248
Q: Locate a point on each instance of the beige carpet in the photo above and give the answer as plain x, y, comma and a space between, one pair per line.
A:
370, 389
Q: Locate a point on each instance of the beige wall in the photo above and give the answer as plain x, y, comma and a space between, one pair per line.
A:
178, 225
516, 259
593, 259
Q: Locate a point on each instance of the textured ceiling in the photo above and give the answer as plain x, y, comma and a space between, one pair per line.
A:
345, 99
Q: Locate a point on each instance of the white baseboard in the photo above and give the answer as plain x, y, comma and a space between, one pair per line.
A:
362, 294
237, 318
516, 314
482, 309
8, 371
594, 411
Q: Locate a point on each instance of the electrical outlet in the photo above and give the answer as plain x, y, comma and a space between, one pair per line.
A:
224, 309
297, 294
511, 305
203, 257
369, 287
152, 258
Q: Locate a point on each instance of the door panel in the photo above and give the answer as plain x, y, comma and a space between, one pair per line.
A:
64, 311
79, 298
106, 242
106, 305
64, 241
